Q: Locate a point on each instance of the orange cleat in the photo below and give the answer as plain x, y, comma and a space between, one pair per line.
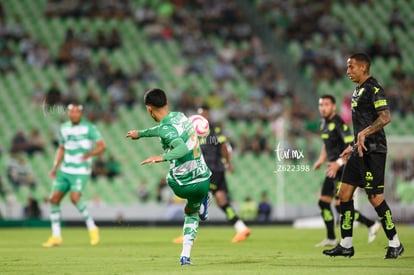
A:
241, 236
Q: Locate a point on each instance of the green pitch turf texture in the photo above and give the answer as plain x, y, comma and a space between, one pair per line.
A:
149, 250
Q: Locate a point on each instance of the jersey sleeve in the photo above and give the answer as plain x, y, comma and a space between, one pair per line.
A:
150, 132
379, 99
345, 133
168, 134
61, 139
94, 133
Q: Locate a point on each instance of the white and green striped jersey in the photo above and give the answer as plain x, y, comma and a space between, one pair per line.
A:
77, 139
190, 168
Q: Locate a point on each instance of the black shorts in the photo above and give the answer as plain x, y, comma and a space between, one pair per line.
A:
366, 172
218, 182
330, 186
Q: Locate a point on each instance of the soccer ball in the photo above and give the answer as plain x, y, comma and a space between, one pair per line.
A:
201, 126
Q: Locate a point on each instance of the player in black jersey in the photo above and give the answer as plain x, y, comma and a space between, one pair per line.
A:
215, 148
336, 136
365, 166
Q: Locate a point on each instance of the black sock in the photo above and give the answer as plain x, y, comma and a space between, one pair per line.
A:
230, 213
384, 213
362, 219
328, 219
347, 218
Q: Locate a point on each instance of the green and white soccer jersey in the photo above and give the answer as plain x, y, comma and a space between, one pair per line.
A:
77, 139
191, 168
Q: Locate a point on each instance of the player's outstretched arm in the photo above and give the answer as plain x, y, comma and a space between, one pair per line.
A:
133, 134
153, 159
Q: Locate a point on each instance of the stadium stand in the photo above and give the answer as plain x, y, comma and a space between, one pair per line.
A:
255, 173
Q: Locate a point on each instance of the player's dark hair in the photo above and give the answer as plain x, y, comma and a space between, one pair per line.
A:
330, 97
155, 97
362, 57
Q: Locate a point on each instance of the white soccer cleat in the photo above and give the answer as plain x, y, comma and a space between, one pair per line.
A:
327, 242
373, 230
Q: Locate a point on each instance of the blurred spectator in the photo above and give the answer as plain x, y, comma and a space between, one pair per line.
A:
53, 95
142, 191
398, 73
113, 167
248, 209
264, 209
258, 142
396, 19
2, 191
116, 92
376, 49
36, 143
392, 49
100, 40
345, 110
6, 60
93, 106
144, 15
164, 193
72, 94
223, 70
99, 168
19, 173
38, 95
39, 56
146, 72
86, 37
32, 209
399, 167
114, 40
19, 142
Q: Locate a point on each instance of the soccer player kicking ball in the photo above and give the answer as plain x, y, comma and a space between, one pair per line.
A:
79, 141
189, 176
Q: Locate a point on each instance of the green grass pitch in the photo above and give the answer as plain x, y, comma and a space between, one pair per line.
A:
149, 250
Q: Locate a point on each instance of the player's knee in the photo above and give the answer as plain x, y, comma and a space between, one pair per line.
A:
54, 200
344, 196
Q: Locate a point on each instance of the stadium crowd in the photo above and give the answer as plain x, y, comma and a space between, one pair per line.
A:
197, 26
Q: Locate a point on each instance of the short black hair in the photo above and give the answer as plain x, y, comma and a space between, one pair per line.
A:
155, 97
330, 97
362, 57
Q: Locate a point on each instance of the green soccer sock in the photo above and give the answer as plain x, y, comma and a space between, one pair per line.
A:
55, 220
83, 209
189, 232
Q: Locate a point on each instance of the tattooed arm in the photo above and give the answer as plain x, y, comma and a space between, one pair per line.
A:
384, 117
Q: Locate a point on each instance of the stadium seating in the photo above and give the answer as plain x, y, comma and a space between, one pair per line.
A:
254, 174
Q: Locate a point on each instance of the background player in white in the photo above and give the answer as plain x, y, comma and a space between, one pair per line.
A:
79, 141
